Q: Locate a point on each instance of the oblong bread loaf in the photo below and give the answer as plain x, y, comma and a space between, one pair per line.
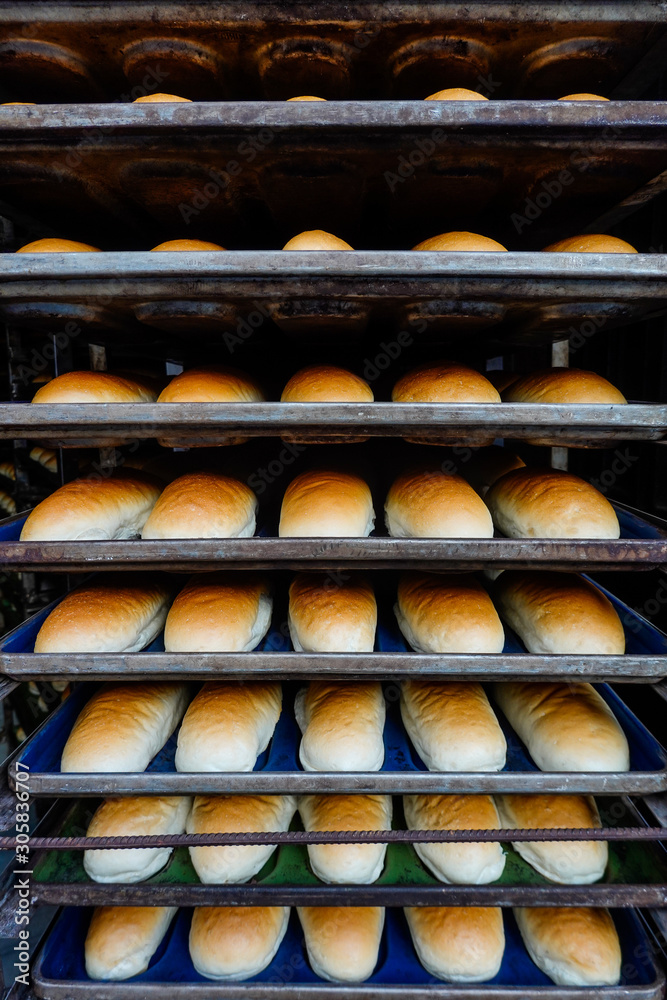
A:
572, 945
342, 726
328, 616
447, 613
358, 864
433, 504
461, 944
219, 612
121, 940
343, 942
474, 864
326, 504
203, 505
236, 942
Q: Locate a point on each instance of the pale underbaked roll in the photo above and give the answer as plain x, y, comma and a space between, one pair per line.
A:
566, 727
122, 613
219, 612
488, 464
325, 384
548, 503
121, 940
203, 505
568, 862
461, 241
210, 384
327, 616
342, 726
447, 613
475, 864
134, 817
591, 243
326, 504
228, 726
123, 726
316, 239
94, 508
432, 504
343, 942
96, 387
452, 726
443, 382
461, 944
573, 945
236, 942
562, 385
358, 864
236, 814
559, 613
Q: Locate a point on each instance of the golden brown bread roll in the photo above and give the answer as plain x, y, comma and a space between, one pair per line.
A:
583, 97
573, 945
56, 245
45, 457
343, 942
161, 99
203, 505
559, 613
548, 503
95, 387
8, 470
121, 940
325, 384
326, 616
566, 727
470, 242
236, 942
183, 246
7, 503
219, 612
210, 384
443, 382
342, 726
474, 864
358, 864
562, 385
591, 244
326, 504
456, 94
433, 504
306, 99
459, 944
316, 239
447, 613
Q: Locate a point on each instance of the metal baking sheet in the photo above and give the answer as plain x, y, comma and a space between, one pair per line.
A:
278, 769
59, 973
636, 876
275, 658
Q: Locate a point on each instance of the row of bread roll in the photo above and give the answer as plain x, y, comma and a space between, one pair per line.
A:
574, 946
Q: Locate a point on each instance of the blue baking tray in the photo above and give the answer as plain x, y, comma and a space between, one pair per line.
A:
60, 969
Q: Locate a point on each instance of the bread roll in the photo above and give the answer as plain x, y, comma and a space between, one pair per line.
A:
8, 470
122, 940
456, 94
203, 505
573, 945
94, 508
432, 504
548, 503
583, 97
45, 457
566, 727
568, 862
236, 942
488, 464
358, 864
306, 99
219, 612
228, 726
134, 817
95, 387
7, 503
212, 384
161, 99
121, 613
474, 864
326, 616
443, 382
470, 242
559, 613
56, 245
452, 726
326, 504
342, 726
236, 814
325, 384
184, 246
123, 726
591, 244
316, 239
562, 385
459, 944
343, 942
447, 613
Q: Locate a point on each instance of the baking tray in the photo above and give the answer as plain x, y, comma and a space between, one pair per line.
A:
636, 876
278, 770
275, 659
59, 973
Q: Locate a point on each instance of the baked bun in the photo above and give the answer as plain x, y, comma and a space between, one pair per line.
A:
305, 99
101, 508
316, 239
443, 382
122, 940
472, 864
212, 384
7, 503
342, 726
45, 457
227, 726
456, 94
591, 244
121, 613
459, 944
343, 942
134, 817
203, 505
236, 814
548, 503
123, 726
181, 246
433, 504
358, 864
447, 613
489, 464
572, 945
95, 387
566, 727
562, 385
567, 862
470, 242
326, 616
236, 942
583, 97
559, 613
56, 245
452, 726
8, 471
325, 384
219, 612
162, 99
327, 504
